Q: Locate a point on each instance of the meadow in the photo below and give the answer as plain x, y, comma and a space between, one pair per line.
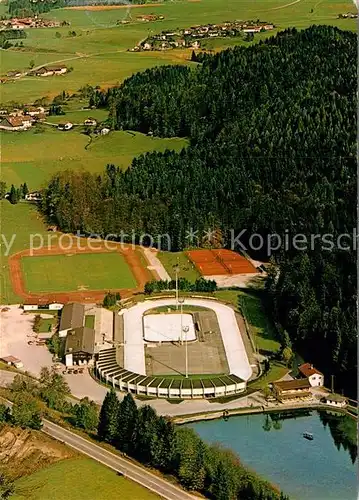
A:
33, 157
80, 479
83, 272
99, 53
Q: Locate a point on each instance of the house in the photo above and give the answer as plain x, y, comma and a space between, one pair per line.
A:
13, 74
315, 377
34, 196
51, 70
105, 131
335, 400
34, 111
90, 122
147, 46
65, 126
14, 123
291, 389
41, 304
79, 346
11, 360
72, 316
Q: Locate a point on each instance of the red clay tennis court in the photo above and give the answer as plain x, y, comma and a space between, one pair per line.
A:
220, 262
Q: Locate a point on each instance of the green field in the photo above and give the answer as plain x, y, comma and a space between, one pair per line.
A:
33, 157
95, 271
79, 479
102, 46
46, 325
186, 268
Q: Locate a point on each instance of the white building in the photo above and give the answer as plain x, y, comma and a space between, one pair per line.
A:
335, 400
314, 376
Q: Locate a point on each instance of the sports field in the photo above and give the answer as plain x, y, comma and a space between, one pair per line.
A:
83, 272
102, 45
79, 479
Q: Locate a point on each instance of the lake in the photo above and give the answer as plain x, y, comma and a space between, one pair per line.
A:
274, 447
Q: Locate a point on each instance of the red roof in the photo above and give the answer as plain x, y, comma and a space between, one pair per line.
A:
307, 370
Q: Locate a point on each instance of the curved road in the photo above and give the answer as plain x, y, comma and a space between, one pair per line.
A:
119, 464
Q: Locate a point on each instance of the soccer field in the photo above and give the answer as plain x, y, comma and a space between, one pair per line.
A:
76, 272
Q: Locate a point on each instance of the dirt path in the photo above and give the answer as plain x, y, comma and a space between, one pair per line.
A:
284, 6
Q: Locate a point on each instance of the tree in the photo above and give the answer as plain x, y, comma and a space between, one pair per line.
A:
126, 423
25, 190
190, 459
26, 411
4, 413
145, 434
287, 355
86, 414
13, 197
31, 64
107, 426
222, 487
57, 34
194, 56
37, 322
53, 388
111, 299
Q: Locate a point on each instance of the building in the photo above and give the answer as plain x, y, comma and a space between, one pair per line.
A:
34, 111
91, 122
105, 131
50, 70
79, 346
14, 123
11, 360
72, 317
315, 377
65, 126
34, 196
14, 74
40, 304
291, 389
335, 400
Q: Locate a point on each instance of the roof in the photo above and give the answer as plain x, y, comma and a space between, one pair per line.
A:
56, 67
15, 121
72, 316
11, 359
287, 385
308, 369
81, 340
335, 397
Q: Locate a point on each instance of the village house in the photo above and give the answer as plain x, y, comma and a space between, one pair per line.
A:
314, 376
79, 346
34, 196
72, 317
91, 122
65, 126
34, 111
335, 400
14, 123
12, 361
287, 390
50, 70
14, 74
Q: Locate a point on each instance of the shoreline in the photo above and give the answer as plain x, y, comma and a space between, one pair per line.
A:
215, 415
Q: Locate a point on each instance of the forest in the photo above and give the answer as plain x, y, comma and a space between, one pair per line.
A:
155, 441
272, 131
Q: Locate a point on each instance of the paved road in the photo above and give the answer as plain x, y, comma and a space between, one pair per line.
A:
119, 464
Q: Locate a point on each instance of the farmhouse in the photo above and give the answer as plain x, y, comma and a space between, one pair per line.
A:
65, 126
335, 400
34, 111
13, 74
11, 360
14, 123
34, 196
73, 316
291, 389
314, 376
90, 122
50, 70
79, 346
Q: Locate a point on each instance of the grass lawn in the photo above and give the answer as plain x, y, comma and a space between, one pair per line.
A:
79, 479
261, 327
17, 223
54, 150
186, 268
276, 371
46, 325
96, 271
90, 321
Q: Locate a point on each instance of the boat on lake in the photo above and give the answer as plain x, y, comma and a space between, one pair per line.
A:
308, 435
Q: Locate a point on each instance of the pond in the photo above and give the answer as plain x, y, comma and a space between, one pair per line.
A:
273, 445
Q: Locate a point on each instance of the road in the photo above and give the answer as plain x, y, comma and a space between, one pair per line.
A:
115, 462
